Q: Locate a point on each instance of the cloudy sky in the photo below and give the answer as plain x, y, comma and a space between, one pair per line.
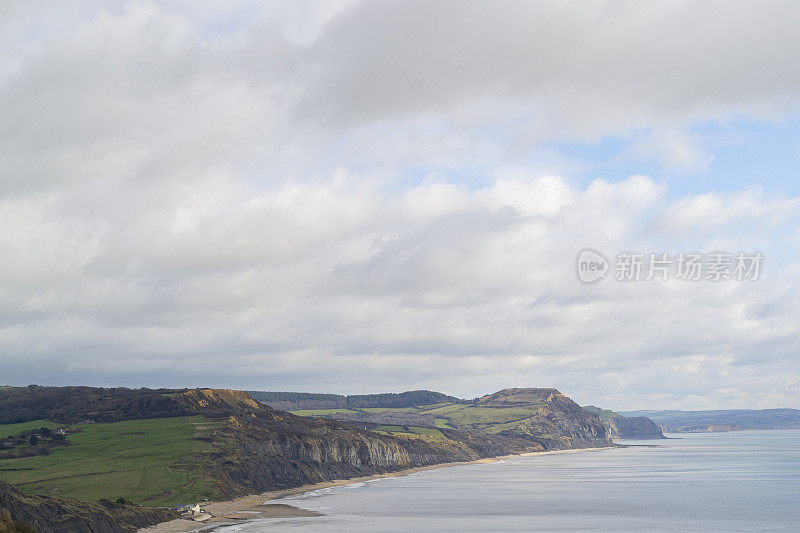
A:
357, 197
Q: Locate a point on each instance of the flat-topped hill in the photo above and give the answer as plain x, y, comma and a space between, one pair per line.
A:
293, 401
517, 397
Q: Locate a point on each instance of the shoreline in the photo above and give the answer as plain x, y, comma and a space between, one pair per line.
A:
261, 505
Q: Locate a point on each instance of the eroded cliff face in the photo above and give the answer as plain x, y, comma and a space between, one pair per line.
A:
270, 450
624, 427
559, 424
63, 515
265, 449
220, 400
639, 427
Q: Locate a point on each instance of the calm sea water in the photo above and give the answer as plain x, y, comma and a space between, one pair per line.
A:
741, 481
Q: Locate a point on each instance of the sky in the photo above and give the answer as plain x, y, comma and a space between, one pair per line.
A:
359, 197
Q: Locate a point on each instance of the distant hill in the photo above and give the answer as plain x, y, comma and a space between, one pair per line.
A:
722, 420
516, 398
624, 427
292, 401
543, 416
77, 404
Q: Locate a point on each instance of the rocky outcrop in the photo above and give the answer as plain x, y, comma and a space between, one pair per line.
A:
558, 424
63, 515
212, 401
639, 427
627, 427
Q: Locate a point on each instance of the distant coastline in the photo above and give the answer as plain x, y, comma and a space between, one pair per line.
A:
721, 420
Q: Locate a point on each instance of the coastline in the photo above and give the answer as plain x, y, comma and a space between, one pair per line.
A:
260, 505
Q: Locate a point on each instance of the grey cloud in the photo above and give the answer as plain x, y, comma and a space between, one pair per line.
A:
599, 68
291, 197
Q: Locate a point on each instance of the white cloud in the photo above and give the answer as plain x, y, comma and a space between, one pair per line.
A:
343, 281
353, 197
674, 150
742, 212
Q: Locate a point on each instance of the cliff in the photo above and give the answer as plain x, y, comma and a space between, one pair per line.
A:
639, 427
269, 449
63, 515
624, 427
558, 424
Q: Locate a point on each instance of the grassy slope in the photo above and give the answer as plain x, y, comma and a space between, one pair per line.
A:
492, 419
321, 412
410, 430
14, 429
130, 459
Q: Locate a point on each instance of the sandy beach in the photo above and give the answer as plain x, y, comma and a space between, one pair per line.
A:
259, 506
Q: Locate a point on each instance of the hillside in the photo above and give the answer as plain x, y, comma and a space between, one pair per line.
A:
273, 449
623, 427
551, 419
542, 417
169, 447
74, 405
292, 401
734, 419
58, 515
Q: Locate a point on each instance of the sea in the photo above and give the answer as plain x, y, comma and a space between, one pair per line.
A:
738, 481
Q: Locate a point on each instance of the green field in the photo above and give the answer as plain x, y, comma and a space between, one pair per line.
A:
493, 419
431, 432
479, 417
442, 423
446, 408
431, 407
389, 409
7, 430
392, 429
132, 459
321, 412
410, 431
